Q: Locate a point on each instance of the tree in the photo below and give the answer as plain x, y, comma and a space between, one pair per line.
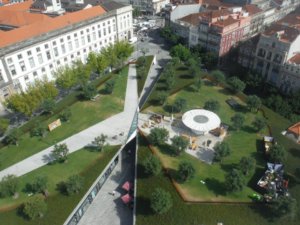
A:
81, 72
169, 82
162, 97
236, 84
35, 207
100, 141
284, 206
186, 171
210, 60
181, 52
212, 105
253, 102
4, 123
65, 115
179, 144
277, 153
237, 121
74, 184
65, 78
136, 12
13, 137
46, 88
259, 123
247, 165
158, 136
221, 150
37, 131
194, 70
218, 76
161, 201
179, 105
39, 185
175, 61
48, 106
109, 86
234, 181
198, 85
8, 185
60, 152
152, 165
123, 50
89, 91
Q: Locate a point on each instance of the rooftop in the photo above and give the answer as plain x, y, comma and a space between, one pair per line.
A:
252, 9
295, 59
284, 33
39, 27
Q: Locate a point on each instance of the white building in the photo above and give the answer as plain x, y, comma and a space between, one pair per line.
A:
38, 45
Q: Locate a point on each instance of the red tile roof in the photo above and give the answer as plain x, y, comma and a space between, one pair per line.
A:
252, 9
285, 33
23, 6
295, 59
42, 27
191, 19
295, 129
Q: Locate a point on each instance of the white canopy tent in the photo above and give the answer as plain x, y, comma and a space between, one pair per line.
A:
201, 121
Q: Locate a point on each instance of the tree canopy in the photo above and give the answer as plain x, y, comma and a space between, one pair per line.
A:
236, 84
161, 201
284, 206
247, 165
60, 152
179, 144
180, 51
158, 136
234, 181
221, 151
253, 102
152, 165
74, 184
35, 207
237, 121
277, 153
218, 76
186, 171
212, 105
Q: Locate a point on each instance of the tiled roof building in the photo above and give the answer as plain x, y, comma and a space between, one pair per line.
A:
35, 45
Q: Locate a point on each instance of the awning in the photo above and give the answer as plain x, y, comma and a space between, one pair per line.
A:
127, 186
126, 198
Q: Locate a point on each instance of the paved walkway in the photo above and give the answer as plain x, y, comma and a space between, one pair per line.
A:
112, 126
108, 209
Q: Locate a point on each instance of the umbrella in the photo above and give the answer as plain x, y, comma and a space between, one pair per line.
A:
126, 198
127, 186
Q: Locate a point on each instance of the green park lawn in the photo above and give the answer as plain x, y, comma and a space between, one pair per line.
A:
242, 143
84, 115
186, 213
245, 142
142, 78
89, 164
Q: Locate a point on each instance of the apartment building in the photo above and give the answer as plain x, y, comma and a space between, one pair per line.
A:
277, 54
35, 45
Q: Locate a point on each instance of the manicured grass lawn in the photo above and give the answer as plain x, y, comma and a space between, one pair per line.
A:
142, 79
242, 143
182, 79
86, 163
84, 114
183, 213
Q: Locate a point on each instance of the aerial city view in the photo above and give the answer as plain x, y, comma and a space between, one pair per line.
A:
149, 112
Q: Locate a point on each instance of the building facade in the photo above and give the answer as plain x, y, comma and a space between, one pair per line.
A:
38, 49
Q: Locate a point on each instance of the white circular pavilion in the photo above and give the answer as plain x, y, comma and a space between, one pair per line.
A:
201, 121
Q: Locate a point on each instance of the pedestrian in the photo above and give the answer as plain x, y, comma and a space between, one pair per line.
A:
114, 193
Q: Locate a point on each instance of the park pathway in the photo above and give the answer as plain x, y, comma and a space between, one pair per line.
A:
115, 127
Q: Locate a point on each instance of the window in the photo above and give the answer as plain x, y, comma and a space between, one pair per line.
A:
61, 40
82, 40
76, 43
93, 28
70, 46
72, 56
55, 52
46, 46
99, 33
48, 55
81, 32
29, 53
75, 34
84, 50
63, 49
54, 42
26, 77
94, 36
88, 38
78, 53
40, 58
22, 65
57, 62
12, 70
68, 37
38, 49
109, 30
43, 69
50, 66
87, 30
65, 59
104, 31
9, 60
20, 56
31, 62
34, 73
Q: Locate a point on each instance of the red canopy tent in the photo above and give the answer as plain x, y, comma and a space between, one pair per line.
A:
126, 198
127, 186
